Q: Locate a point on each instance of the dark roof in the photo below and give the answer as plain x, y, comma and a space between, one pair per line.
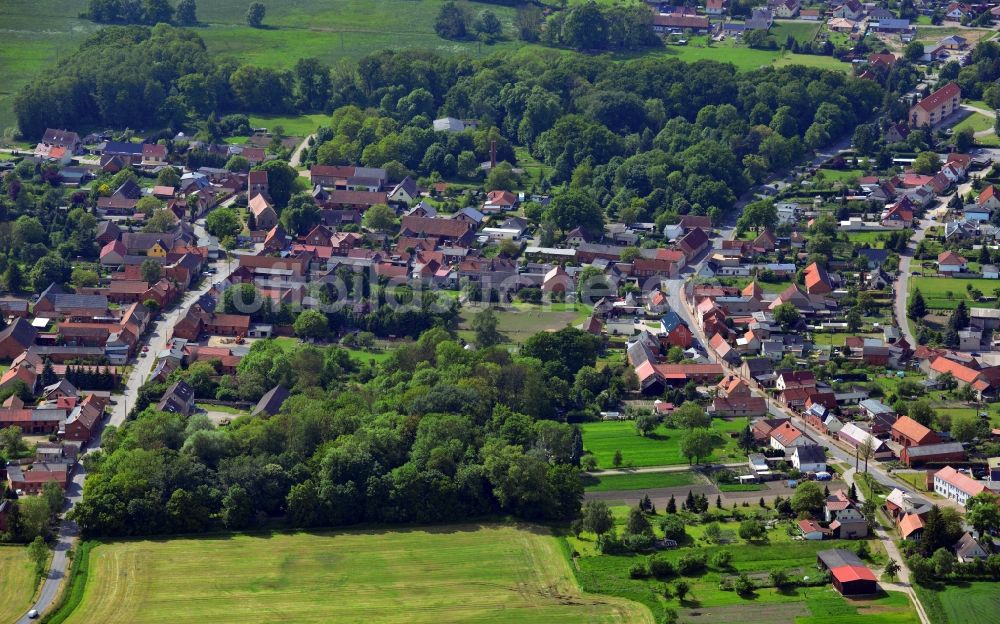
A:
759, 365
838, 557
108, 227
118, 147
271, 402
62, 300
671, 320
926, 450
21, 332
878, 256
811, 454
129, 189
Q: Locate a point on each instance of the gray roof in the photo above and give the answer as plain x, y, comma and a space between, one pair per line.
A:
21, 332
876, 407
810, 454
837, 557
271, 402
925, 450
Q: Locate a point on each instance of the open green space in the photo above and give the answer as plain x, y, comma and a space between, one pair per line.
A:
225, 409
523, 320
976, 121
457, 573
707, 601
638, 481
965, 603
293, 125
662, 447
840, 175
17, 582
936, 290
875, 239
801, 31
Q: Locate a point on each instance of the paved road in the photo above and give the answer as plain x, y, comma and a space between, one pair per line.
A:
902, 286
68, 531
296, 158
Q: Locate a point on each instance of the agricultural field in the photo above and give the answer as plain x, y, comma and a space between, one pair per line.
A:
662, 447
935, 290
443, 574
17, 582
639, 481
966, 603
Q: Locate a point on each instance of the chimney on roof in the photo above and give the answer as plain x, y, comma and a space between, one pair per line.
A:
493, 154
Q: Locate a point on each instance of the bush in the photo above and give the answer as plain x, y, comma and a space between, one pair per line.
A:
638, 571
637, 541
661, 568
722, 560
691, 564
743, 585
609, 544
673, 527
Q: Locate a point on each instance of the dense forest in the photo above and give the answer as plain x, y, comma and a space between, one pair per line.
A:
436, 433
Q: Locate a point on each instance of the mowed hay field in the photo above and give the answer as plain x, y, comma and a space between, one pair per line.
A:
935, 290
17, 582
443, 574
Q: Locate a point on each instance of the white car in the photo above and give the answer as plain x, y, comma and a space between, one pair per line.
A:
33, 614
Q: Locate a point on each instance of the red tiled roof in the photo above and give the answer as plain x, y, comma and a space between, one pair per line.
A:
846, 574
940, 96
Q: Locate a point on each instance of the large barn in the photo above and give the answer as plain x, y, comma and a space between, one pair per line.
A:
850, 576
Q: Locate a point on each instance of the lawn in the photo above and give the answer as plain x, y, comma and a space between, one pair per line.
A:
840, 175
17, 582
296, 125
935, 289
522, 320
660, 448
976, 121
803, 32
441, 574
876, 239
638, 481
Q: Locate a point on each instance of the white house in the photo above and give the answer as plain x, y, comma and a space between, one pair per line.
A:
787, 436
951, 262
952, 484
809, 458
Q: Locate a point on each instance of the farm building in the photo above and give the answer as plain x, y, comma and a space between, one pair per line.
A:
928, 453
850, 576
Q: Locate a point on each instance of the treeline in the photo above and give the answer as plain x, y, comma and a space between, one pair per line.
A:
591, 26
436, 433
149, 12
113, 80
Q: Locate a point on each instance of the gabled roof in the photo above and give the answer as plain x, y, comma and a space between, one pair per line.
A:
810, 454
910, 428
940, 96
271, 402
963, 482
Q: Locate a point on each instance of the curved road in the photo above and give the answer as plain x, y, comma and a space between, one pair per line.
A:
141, 368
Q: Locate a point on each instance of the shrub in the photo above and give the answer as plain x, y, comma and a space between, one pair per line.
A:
661, 568
638, 571
673, 527
722, 559
743, 585
637, 541
609, 544
691, 564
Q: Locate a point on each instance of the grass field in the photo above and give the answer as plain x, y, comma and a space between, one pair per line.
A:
874, 239
521, 321
298, 125
17, 582
444, 574
976, 121
935, 290
660, 448
840, 175
968, 603
803, 32
638, 481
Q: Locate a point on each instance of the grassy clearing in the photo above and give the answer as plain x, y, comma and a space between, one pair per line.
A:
802, 31
840, 175
639, 481
520, 322
976, 121
971, 603
916, 480
296, 125
225, 409
935, 289
443, 574
874, 239
17, 582
660, 448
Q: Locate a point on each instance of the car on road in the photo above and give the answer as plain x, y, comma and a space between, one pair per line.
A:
33, 614
145, 348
